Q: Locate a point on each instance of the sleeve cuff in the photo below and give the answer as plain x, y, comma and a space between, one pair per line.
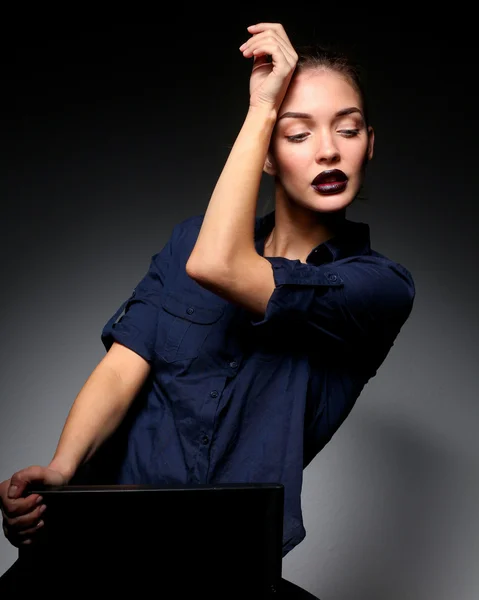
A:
296, 284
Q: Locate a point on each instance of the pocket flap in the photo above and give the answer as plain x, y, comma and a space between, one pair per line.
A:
191, 310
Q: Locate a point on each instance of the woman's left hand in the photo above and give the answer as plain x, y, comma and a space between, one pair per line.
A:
273, 66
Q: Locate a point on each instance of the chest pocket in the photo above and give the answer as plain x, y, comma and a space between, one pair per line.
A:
183, 326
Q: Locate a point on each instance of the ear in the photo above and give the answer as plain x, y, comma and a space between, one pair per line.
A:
370, 143
269, 165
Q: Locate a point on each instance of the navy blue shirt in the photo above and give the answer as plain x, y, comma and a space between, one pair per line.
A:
236, 398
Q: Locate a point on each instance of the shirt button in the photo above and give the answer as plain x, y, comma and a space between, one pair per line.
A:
214, 394
205, 440
233, 364
190, 310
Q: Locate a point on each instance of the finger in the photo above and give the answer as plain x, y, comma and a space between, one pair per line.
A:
26, 542
258, 27
261, 62
267, 38
21, 479
281, 62
260, 41
22, 535
24, 521
21, 506
276, 27
254, 43
18, 541
278, 58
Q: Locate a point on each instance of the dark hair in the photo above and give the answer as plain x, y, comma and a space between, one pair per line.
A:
314, 56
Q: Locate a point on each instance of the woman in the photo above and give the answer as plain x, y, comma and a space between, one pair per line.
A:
249, 340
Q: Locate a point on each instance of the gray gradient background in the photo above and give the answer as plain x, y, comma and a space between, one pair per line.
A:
112, 135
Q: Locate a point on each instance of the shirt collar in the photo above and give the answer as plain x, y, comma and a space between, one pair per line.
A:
353, 239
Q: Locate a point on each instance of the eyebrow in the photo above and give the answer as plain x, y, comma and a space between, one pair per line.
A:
299, 115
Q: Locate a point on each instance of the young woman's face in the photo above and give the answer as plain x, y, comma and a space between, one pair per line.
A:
321, 144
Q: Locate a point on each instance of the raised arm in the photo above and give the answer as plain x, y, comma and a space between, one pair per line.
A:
224, 258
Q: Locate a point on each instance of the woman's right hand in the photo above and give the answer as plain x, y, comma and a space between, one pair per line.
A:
22, 514
273, 65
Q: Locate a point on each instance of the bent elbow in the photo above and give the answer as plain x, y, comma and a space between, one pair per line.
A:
208, 272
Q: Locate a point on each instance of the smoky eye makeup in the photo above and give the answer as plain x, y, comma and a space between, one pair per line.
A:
296, 137
355, 121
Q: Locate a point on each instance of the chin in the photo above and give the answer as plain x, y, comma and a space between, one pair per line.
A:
332, 203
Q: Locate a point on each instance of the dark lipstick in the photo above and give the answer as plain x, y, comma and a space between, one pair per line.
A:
332, 181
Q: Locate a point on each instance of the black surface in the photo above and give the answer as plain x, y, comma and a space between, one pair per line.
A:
213, 540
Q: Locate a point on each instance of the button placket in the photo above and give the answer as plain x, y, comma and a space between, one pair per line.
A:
206, 429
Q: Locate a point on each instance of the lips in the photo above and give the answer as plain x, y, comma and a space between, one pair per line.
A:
332, 181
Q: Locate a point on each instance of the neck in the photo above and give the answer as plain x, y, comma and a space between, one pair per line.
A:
298, 230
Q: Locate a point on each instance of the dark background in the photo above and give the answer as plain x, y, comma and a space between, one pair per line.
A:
103, 123
111, 132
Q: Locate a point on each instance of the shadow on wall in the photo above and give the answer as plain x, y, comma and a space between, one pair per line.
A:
390, 513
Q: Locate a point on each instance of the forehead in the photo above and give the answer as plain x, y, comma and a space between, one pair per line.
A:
320, 91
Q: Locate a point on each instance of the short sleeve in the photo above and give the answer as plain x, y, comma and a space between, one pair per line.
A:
134, 323
345, 302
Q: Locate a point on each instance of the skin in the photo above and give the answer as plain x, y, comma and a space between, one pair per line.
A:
96, 412
224, 258
301, 148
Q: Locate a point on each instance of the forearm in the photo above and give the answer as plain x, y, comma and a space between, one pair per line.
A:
227, 231
96, 413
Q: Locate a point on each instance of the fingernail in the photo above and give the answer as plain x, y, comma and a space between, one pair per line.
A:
12, 491
242, 46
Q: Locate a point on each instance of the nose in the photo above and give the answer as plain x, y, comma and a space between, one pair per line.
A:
327, 152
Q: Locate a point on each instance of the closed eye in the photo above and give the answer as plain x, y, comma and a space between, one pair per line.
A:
299, 137
349, 132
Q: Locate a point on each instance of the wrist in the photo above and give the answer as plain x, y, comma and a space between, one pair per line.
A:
67, 470
265, 112
258, 127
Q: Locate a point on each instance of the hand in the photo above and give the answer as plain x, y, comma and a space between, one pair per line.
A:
22, 515
273, 66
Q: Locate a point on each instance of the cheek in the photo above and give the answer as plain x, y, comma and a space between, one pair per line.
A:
292, 161
358, 156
